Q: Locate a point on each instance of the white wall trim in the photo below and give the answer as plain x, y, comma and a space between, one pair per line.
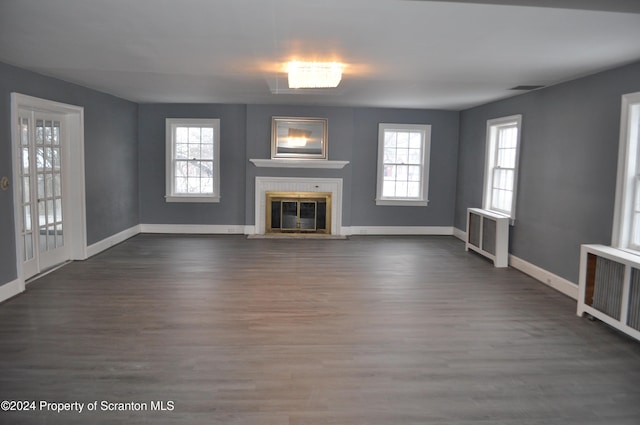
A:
460, 234
558, 283
425, 130
74, 176
217, 229
171, 124
194, 229
398, 230
627, 169
107, 243
493, 126
11, 289
298, 163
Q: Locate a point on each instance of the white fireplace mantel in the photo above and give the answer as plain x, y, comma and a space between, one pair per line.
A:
298, 184
298, 163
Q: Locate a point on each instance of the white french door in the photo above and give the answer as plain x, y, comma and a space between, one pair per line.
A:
41, 174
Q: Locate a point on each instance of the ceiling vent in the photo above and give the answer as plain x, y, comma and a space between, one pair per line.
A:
526, 88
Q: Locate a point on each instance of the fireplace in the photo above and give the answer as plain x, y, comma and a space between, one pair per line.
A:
309, 188
298, 213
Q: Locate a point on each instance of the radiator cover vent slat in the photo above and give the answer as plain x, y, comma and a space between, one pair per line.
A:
607, 296
634, 300
489, 235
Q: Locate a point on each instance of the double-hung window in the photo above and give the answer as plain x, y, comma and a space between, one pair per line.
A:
403, 164
501, 165
193, 160
626, 226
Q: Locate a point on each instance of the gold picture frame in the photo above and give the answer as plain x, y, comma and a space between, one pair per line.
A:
301, 138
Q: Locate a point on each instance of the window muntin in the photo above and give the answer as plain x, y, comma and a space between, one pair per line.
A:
626, 226
193, 160
501, 168
403, 151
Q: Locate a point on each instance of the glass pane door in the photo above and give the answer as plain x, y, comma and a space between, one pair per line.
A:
41, 178
26, 178
289, 215
49, 185
308, 215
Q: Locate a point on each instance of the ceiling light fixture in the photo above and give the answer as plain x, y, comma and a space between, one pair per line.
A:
314, 75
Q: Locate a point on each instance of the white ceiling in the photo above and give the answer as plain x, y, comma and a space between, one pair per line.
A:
399, 53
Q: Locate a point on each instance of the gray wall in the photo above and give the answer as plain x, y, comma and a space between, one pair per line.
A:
339, 147
353, 137
152, 142
568, 166
442, 171
246, 134
111, 157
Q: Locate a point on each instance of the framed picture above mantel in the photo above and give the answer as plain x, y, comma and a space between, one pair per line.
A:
300, 138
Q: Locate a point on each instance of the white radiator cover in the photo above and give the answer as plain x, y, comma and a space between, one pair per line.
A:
609, 287
488, 234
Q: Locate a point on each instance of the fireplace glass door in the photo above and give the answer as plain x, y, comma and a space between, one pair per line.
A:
297, 213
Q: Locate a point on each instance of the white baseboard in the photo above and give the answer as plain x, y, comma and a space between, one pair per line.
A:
11, 289
107, 243
194, 229
460, 234
216, 229
397, 230
558, 283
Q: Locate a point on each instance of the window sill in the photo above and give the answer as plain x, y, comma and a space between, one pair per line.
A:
200, 199
402, 202
631, 251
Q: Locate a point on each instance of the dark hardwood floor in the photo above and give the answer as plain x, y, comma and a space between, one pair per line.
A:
366, 331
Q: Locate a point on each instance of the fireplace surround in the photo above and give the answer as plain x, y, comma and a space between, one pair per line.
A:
304, 188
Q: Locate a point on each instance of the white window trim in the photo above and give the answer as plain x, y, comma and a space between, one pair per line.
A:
490, 160
426, 154
171, 123
628, 169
